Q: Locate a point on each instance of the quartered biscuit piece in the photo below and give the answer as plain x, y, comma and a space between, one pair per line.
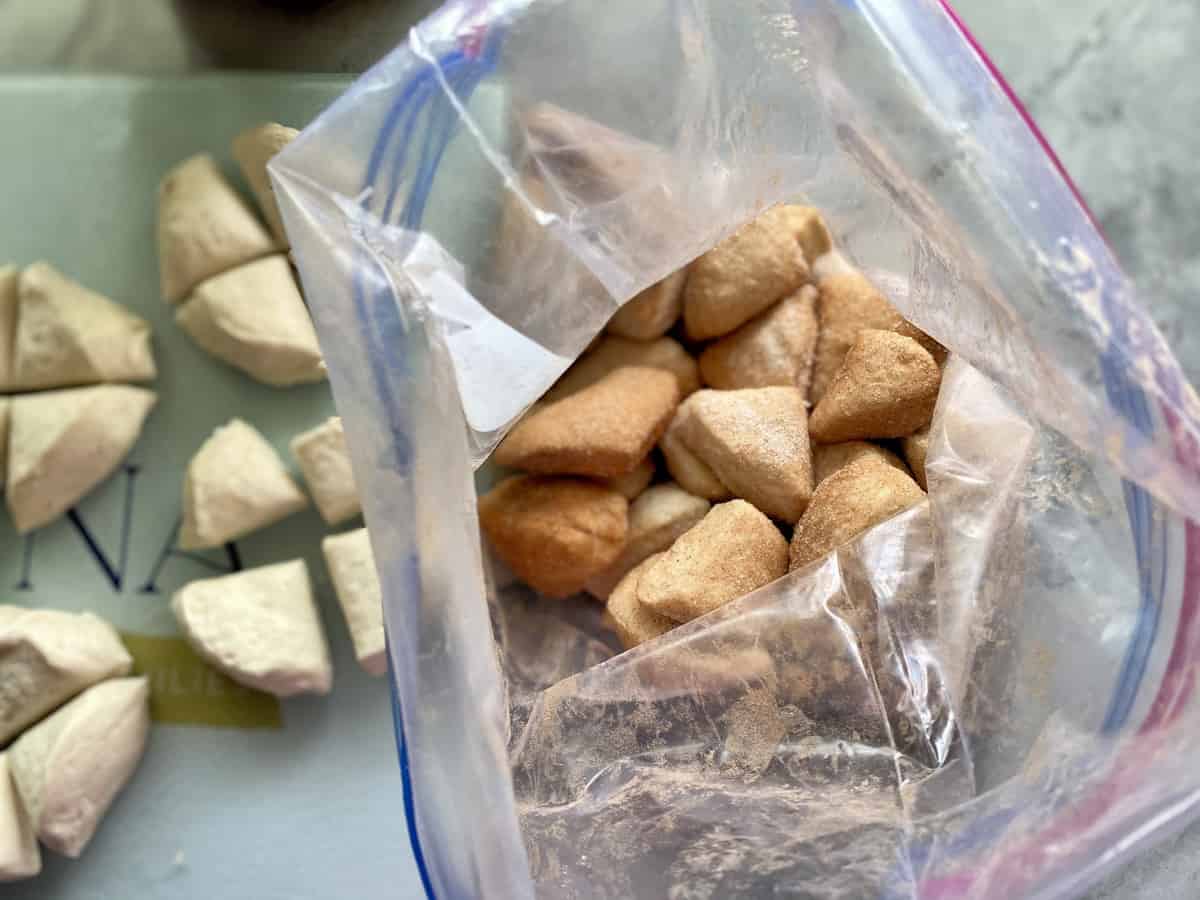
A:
19, 854
848, 502
756, 442
603, 430
693, 475
68, 335
5, 406
554, 533
632, 620
733, 550
633, 482
70, 767
656, 519
807, 227
740, 277
254, 318
325, 462
916, 446
352, 566
8, 323
260, 627
846, 304
774, 348
651, 313
235, 484
204, 227
253, 149
612, 353
63, 443
886, 388
828, 458
47, 657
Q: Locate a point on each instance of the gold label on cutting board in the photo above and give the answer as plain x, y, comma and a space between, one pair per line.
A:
185, 690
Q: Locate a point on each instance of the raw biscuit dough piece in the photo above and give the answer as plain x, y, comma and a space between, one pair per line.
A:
356, 582
70, 766
656, 519
732, 551
603, 430
19, 854
756, 442
261, 627
685, 467
846, 304
828, 458
8, 323
5, 405
741, 276
632, 620
775, 348
808, 228
886, 388
204, 227
916, 447
611, 353
651, 313
554, 533
253, 149
235, 484
847, 503
325, 462
254, 319
68, 335
633, 482
61, 444
47, 656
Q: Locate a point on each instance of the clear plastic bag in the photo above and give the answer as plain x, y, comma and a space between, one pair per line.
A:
985, 696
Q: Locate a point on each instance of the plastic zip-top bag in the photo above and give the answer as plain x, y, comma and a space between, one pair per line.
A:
989, 695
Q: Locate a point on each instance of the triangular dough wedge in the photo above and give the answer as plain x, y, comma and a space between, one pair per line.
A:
253, 149
325, 461
67, 334
204, 227
70, 767
19, 854
235, 484
8, 323
48, 656
260, 627
63, 443
356, 582
651, 313
254, 319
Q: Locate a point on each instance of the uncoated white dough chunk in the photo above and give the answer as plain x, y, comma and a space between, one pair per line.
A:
204, 227
61, 444
325, 462
67, 335
235, 484
70, 767
254, 319
352, 565
253, 149
8, 323
260, 627
47, 656
19, 854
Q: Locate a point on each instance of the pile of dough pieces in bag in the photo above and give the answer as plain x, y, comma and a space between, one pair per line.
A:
737, 421
74, 716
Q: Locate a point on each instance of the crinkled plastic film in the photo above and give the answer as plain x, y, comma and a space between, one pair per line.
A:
988, 695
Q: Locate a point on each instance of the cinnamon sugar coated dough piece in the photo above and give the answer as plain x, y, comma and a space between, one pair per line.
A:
633, 482
756, 442
886, 388
936, 350
611, 353
740, 277
846, 304
351, 564
774, 348
325, 462
916, 447
651, 313
807, 226
656, 519
67, 334
733, 550
693, 475
204, 227
8, 323
632, 620
554, 533
261, 627
847, 503
253, 149
19, 854
603, 430
828, 458
71, 765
